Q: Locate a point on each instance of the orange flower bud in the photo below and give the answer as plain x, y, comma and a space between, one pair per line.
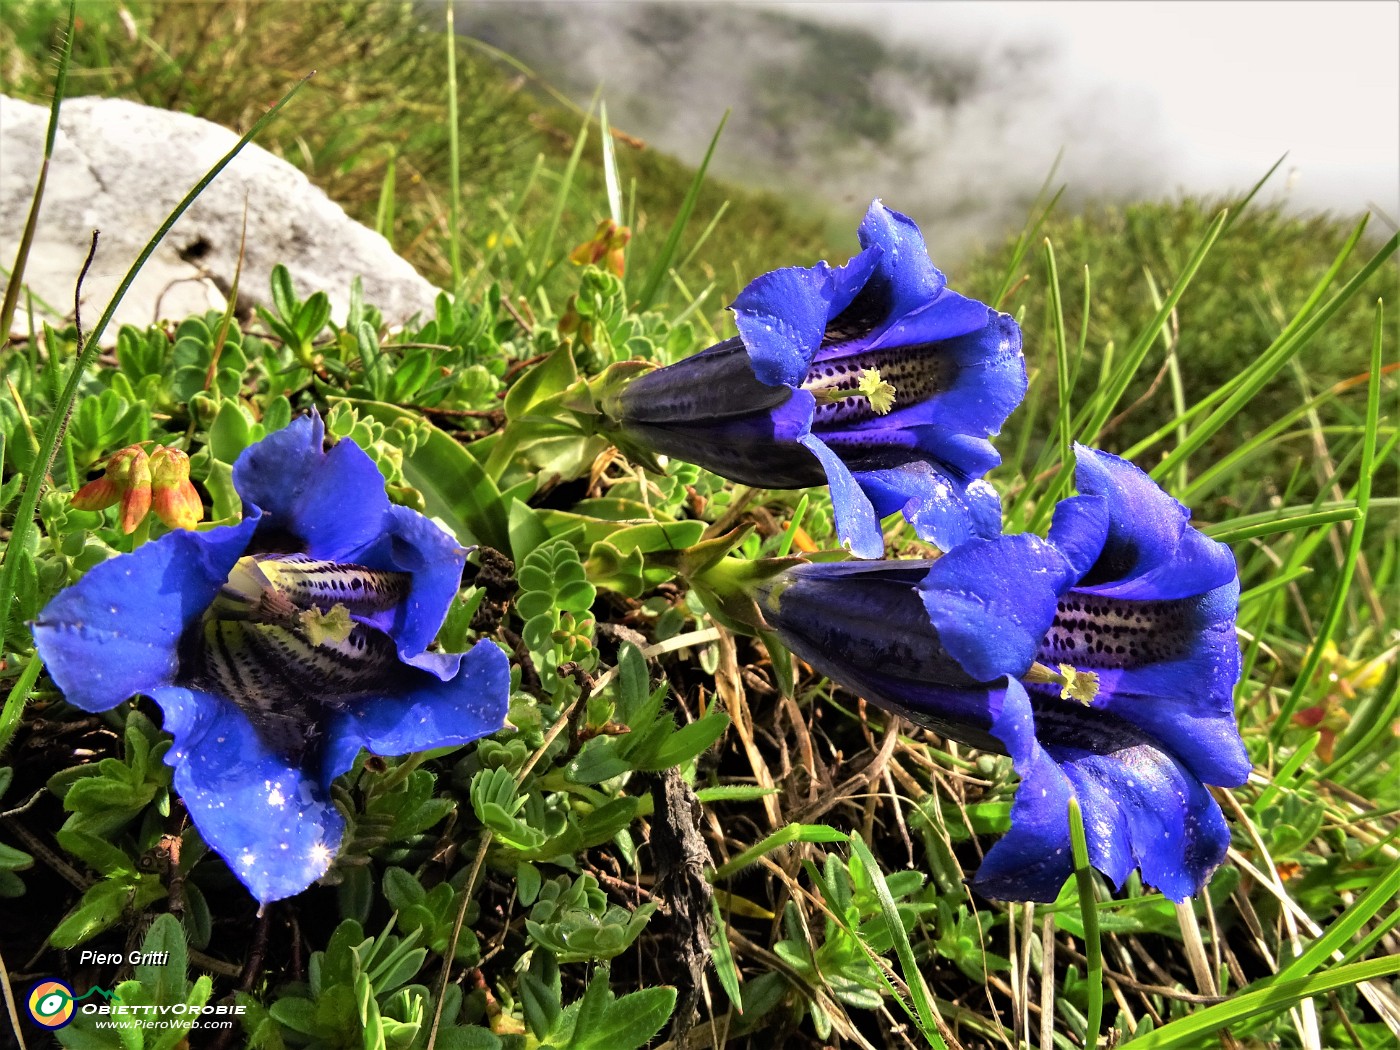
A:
98, 494
173, 496
134, 482
126, 481
607, 243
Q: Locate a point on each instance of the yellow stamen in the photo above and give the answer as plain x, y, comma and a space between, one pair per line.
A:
333, 626
877, 391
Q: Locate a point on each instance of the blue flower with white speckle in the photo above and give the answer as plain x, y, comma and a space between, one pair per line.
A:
277, 648
873, 378
1102, 660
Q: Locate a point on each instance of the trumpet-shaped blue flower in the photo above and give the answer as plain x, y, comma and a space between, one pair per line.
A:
801, 396
1124, 589
277, 648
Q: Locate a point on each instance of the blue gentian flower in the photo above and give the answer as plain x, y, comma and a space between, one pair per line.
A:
1124, 589
780, 406
277, 648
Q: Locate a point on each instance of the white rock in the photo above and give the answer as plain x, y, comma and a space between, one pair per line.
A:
120, 167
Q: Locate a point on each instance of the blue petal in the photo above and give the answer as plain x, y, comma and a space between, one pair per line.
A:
944, 510
991, 602
1151, 552
1079, 530
331, 502
1141, 808
429, 713
268, 819
989, 370
857, 524
1187, 703
782, 316
1033, 859
906, 276
414, 544
116, 632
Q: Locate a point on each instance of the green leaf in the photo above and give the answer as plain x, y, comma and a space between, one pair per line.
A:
540, 1004
598, 760
687, 742
402, 890
165, 940
626, 1023
102, 906
455, 488
526, 531
284, 296
723, 958
230, 433
295, 1013
551, 376
102, 856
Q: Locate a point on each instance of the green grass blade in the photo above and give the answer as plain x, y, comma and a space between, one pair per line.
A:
1089, 915
31, 222
1237, 208
1274, 583
704, 235
1029, 232
58, 419
1235, 532
1284, 774
1188, 1032
1346, 926
1065, 435
1353, 552
454, 234
784, 836
384, 211
1097, 412
1264, 362
657, 274
544, 243
925, 1010
1370, 723
1178, 391
611, 181
1271, 361
1229, 464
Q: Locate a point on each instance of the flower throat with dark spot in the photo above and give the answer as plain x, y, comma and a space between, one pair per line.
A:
285, 641
915, 372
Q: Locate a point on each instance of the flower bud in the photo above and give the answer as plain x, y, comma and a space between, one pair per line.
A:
605, 246
98, 494
134, 482
173, 496
126, 481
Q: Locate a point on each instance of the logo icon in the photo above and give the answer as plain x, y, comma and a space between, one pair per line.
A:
51, 1004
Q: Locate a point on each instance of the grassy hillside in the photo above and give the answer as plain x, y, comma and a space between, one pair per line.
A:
377, 103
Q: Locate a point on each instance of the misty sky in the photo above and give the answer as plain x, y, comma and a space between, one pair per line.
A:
1220, 89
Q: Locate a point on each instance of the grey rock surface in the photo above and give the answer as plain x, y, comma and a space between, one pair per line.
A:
120, 167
